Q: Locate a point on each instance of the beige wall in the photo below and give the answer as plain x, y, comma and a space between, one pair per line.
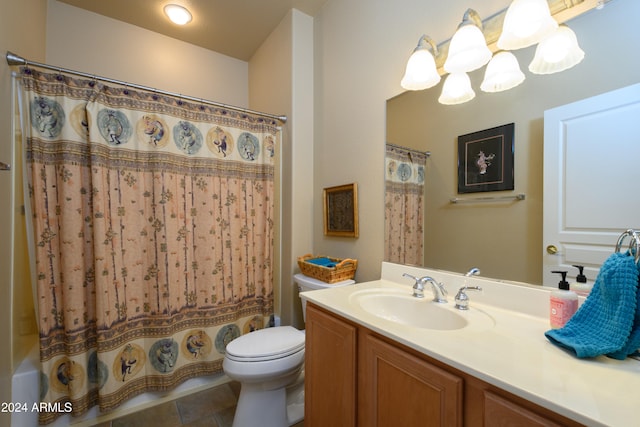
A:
281, 80
362, 48
22, 29
121, 51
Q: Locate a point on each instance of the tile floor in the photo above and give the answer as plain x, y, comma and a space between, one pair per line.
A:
214, 407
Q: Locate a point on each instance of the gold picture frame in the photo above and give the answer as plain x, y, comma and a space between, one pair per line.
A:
341, 210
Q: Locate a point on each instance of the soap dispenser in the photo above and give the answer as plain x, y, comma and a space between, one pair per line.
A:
580, 286
563, 303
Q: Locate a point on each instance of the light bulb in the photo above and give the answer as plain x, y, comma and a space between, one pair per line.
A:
177, 14
421, 72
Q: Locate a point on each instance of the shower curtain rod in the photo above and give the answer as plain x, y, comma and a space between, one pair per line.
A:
13, 59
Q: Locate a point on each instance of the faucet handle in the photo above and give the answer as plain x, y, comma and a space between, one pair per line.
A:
410, 276
418, 286
462, 300
473, 272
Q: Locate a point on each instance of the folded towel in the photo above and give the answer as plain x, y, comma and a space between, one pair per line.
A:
323, 262
603, 324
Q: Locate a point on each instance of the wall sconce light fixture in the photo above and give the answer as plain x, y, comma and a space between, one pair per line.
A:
456, 89
557, 52
522, 24
421, 72
526, 23
468, 50
502, 73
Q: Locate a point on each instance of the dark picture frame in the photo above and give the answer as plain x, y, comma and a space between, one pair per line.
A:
485, 160
341, 210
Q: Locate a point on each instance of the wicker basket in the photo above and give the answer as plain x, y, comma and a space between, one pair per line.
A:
345, 269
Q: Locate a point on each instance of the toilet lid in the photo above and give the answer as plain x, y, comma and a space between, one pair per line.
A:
267, 344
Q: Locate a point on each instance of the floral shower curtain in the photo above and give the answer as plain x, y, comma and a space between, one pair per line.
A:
404, 195
153, 236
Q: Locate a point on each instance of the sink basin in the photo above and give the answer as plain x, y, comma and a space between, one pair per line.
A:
401, 307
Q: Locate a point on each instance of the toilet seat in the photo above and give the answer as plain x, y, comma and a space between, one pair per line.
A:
266, 344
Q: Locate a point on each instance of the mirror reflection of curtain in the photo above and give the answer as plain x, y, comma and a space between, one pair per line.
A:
404, 205
153, 236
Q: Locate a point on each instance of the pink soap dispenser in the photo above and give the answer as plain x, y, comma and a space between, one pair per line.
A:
563, 303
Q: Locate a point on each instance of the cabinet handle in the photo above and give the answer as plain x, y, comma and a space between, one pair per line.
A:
5, 166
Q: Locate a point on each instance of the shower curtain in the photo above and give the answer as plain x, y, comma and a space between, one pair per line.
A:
404, 195
153, 224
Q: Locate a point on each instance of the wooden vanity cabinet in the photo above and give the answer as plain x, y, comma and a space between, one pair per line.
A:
330, 370
355, 377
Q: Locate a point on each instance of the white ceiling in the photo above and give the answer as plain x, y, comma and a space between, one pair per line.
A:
234, 28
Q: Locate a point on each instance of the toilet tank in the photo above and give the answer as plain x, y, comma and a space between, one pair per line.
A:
306, 283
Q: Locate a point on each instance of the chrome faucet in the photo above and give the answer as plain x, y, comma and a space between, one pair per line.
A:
474, 271
439, 290
462, 300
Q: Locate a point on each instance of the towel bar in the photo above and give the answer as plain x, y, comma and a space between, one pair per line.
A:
634, 244
515, 197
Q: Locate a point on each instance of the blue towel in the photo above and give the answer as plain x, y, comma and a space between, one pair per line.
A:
323, 262
633, 343
604, 324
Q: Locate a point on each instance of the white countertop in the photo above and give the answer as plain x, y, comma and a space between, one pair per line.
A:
514, 354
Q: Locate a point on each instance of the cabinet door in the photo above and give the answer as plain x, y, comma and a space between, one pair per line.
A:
330, 371
397, 388
500, 412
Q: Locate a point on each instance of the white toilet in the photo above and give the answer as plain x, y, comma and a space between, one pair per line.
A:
268, 363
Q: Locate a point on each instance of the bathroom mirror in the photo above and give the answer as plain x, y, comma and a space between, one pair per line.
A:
504, 239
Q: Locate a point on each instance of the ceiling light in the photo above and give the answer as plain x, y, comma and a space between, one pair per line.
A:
526, 23
502, 73
468, 49
177, 14
558, 52
456, 89
421, 72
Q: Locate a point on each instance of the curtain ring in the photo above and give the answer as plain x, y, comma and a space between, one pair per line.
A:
26, 68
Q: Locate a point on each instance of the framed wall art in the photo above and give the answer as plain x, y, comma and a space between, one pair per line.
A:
341, 210
485, 160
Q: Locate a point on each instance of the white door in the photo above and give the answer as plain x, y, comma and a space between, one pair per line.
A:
591, 180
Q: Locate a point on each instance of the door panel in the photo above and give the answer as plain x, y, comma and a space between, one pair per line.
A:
591, 174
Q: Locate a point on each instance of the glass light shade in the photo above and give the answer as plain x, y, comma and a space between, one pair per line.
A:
502, 73
468, 49
558, 52
421, 72
526, 23
177, 14
456, 89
